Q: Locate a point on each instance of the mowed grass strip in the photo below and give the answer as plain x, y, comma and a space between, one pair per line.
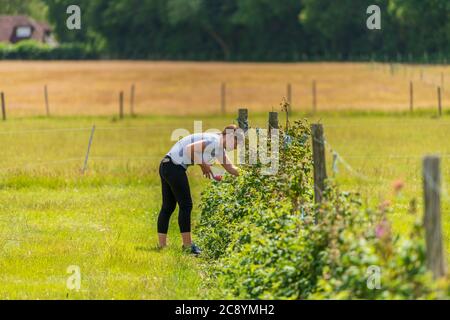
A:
106, 231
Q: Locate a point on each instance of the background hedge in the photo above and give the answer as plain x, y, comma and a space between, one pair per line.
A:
31, 50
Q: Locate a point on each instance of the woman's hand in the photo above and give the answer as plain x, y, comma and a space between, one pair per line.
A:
229, 167
206, 169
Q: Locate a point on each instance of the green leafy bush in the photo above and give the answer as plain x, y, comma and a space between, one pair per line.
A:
264, 238
32, 50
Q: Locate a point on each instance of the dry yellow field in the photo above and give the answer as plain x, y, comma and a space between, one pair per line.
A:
92, 88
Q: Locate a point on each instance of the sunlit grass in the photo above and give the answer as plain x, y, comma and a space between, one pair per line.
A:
104, 221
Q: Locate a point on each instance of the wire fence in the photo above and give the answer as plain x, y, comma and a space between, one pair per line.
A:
82, 142
337, 159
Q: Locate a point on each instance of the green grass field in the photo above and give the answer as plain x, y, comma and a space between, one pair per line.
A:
104, 221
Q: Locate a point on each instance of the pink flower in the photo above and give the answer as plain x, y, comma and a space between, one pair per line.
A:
382, 229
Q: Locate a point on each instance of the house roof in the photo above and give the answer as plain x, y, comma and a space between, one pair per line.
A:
9, 23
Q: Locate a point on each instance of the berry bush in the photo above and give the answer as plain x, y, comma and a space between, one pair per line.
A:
264, 238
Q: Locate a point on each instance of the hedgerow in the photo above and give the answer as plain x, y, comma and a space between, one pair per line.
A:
32, 50
264, 238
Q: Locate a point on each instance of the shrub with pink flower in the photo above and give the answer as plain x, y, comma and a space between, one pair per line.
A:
398, 186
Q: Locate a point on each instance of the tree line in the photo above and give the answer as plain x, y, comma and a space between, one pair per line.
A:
253, 30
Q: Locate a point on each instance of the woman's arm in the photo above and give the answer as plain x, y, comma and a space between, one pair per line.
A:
195, 151
227, 165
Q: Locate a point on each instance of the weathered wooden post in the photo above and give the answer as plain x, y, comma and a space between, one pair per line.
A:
3, 106
47, 107
320, 171
273, 120
289, 96
223, 97
243, 119
121, 105
439, 101
411, 96
432, 217
442, 79
132, 93
86, 159
314, 96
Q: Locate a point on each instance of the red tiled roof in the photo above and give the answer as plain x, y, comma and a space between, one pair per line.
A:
8, 24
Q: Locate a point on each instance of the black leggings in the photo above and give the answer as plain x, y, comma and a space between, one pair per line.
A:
175, 189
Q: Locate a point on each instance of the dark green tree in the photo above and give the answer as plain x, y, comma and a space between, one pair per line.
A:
255, 30
422, 26
269, 30
37, 9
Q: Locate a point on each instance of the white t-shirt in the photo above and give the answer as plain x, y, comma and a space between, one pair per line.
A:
213, 149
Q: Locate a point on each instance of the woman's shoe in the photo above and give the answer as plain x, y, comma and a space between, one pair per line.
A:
193, 249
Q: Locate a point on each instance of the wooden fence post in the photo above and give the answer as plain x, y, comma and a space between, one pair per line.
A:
273, 120
47, 107
314, 96
432, 218
132, 92
88, 150
243, 119
121, 105
442, 79
223, 97
289, 96
439, 101
3, 106
320, 171
411, 96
